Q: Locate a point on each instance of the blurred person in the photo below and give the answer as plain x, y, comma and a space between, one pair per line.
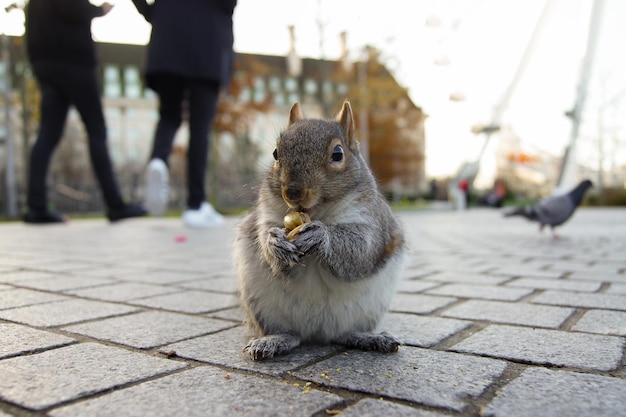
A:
189, 59
62, 55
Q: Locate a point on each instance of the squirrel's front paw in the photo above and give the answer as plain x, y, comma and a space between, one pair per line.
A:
281, 248
310, 236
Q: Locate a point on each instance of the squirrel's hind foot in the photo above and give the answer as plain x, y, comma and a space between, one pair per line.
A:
267, 347
380, 342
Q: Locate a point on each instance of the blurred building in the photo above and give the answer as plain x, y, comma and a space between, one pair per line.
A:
249, 119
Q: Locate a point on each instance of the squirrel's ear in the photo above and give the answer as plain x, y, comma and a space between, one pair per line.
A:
295, 114
346, 119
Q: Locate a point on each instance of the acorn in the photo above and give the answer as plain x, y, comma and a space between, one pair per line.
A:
295, 218
294, 221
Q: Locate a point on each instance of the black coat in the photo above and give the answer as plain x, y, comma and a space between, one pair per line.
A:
190, 38
59, 31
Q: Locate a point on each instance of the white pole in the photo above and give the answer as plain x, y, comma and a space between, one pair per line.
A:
568, 175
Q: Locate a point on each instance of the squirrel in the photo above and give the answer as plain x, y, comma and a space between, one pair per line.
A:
334, 281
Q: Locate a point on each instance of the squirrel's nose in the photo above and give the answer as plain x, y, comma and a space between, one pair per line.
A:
293, 193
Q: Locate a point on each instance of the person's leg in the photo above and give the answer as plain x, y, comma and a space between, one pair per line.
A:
170, 90
202, 105
84, 92
54, 107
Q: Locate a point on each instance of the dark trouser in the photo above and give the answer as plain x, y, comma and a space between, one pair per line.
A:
201, 99
62, 86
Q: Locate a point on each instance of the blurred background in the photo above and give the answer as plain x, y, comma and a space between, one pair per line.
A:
527, 97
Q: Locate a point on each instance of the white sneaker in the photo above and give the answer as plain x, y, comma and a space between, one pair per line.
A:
157, 187
204, 217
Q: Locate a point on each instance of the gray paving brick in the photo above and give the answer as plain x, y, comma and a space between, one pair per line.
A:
149, 329
602, 322
221, 284
555, 284
123, 291
416, 285
546, 347
419, 303
575, 299
431, 378
468, 277
206, 391
19, 297
234, 314
16, 340
162, 277
18, 276
419, 330
415, 272
491, 292
510, 313
616, 289
522, 270
190, 301
546, 393
225, 348
60, 283
59, 313
599, 276
373, 408
45, 379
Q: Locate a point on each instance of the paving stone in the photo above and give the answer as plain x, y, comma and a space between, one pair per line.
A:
63, 312
6, 287
373, 408
546, 393
225, 348
510, 313
162, 277
616, 289
468, 277
575, 299
419, 303
206, 391
522, 270
602, 322
223, 284
190, 301
233, 314
19, 297
546, 347
555, 284
123, 291
412, 272
20, 276
599, 276
45, 379
419, 330
431, 378
491, 292
415, 285
17, 340
149, 329
60, 283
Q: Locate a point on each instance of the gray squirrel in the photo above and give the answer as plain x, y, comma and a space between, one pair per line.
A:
336, 278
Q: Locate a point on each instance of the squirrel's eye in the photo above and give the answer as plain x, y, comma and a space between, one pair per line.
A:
337, 155
275, 154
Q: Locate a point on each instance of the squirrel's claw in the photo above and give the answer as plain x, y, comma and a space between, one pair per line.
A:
282, 249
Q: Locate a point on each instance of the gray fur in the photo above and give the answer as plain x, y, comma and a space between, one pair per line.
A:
332, 283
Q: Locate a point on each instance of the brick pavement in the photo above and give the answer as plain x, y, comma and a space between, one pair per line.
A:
141, 319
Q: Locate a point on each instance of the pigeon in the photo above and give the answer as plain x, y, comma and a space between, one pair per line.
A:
554, 210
